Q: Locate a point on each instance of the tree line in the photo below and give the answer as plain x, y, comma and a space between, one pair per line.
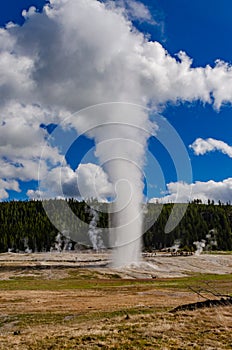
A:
25, 224
202, 222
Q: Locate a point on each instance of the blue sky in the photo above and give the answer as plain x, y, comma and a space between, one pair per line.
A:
203, 30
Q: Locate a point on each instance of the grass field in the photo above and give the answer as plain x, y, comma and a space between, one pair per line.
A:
83, 308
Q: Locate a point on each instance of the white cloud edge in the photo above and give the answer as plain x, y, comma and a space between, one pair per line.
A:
209, 190
88, 181
202, 146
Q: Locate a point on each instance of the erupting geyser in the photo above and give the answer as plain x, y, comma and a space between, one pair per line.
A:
126, 219
121, 140
106, 61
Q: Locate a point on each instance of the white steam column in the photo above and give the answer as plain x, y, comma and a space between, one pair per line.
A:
126, 218
121, 139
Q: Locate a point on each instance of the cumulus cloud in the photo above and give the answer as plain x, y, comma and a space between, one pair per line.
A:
201, 146
212, 190
23, 142
65, 61
8, 185
93, 182
134, 10
87, 182
27, 14
138, 10
79, 53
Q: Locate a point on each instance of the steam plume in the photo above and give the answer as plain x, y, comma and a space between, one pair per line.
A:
94, 232
200, 246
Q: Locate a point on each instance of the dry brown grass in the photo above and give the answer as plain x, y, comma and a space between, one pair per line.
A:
91, 309
200, 329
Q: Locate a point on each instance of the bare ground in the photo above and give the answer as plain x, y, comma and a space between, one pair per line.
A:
160, 265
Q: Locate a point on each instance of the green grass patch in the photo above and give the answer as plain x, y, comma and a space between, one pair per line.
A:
46, 318
25, 283
96, 281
